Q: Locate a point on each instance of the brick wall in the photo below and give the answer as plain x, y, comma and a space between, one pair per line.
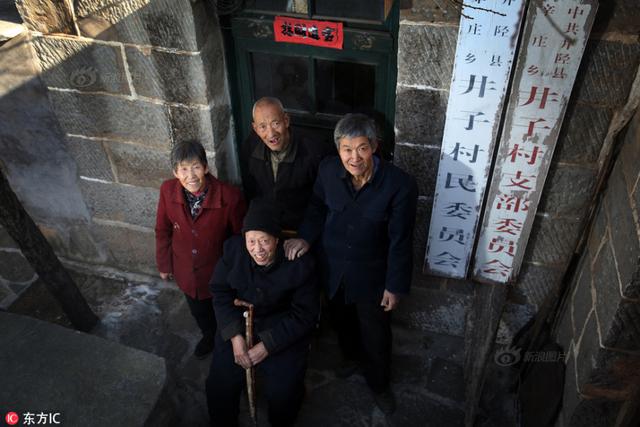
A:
140, 76
427, 41
599, 326
426, 48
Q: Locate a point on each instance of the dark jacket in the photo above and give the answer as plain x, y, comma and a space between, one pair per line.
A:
187, 248
366, 236
285, 296
290, 193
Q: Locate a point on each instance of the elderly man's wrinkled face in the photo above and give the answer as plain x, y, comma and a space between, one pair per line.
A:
261, 246
357, 155
191, 174
272, 126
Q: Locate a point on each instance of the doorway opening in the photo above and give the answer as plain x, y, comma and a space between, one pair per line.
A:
317, 85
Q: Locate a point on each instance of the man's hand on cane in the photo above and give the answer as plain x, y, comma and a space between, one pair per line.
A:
240, 353
258, 353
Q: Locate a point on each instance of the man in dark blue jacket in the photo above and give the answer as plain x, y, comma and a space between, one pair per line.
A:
285, 296
362, 213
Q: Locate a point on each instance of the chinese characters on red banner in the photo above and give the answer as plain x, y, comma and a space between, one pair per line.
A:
483, 62
554, 39
305, 31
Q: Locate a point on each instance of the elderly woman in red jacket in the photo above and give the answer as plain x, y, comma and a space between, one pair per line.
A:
196, 214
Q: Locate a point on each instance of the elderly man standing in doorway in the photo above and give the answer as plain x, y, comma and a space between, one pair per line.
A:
362, 214
280, 165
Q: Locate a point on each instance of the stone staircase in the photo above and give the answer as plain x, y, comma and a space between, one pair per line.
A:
87, 380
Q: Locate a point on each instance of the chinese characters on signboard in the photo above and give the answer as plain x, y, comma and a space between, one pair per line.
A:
553, 42
483, 61
305, 31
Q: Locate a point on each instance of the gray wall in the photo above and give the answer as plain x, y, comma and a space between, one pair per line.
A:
427, 42
87, 121
599, 327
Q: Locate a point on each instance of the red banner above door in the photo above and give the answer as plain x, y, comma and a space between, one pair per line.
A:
307, 31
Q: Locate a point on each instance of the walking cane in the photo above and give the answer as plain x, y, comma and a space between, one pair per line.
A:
250, 373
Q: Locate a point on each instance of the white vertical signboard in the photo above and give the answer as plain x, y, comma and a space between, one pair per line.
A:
553, 42
484, 55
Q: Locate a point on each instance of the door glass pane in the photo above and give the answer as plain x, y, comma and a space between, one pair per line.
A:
344, 87
285, 77
291, 6
360, 9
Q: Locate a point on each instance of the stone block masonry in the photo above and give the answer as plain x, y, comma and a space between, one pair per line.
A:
568, 190
601, 89
172, 24
553, 240
131, 248
583, 134
606, 72
193, 122
111, 117
412, 124
125, 81
154, 74
124, 203
603, 341
91, 158
73, 63
425, 55
39, 164
423, 160
139, 166
152, 68
426, 46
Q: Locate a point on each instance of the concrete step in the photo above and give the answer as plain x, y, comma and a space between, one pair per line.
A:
89, 381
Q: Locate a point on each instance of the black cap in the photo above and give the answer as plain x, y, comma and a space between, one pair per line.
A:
261, 216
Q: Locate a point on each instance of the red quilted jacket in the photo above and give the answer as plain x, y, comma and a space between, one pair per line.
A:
190, 249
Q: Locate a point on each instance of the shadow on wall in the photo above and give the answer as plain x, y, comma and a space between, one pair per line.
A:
87, 123
32, 147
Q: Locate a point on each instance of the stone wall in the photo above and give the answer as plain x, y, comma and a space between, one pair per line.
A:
426, 48
599, 327
40, 170
427, 42
91, 104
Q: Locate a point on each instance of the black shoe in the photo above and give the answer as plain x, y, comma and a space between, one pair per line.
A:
204, 346
347, 369
386, 401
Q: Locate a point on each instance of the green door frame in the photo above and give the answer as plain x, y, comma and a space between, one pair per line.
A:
365, 42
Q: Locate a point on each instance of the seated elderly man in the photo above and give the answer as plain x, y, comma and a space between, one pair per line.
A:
362, 211
285, 296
